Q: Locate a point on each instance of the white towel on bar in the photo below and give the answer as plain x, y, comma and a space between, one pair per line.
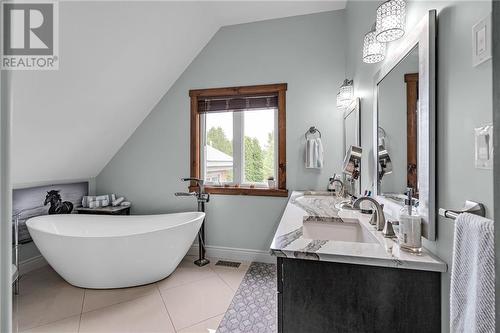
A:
314, 153
472, 299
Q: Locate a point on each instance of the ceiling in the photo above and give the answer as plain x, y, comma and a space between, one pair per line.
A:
117, 59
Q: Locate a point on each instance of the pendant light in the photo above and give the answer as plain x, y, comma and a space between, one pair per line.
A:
373, 50
345, 94
391, 18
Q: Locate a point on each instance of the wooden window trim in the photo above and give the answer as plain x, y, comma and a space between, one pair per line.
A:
195, 156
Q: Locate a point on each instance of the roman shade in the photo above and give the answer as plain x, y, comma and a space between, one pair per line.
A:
236, 103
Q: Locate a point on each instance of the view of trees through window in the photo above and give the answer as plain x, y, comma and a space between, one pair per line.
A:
259, 160
256, 133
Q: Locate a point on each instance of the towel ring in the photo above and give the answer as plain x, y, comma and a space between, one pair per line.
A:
312, 130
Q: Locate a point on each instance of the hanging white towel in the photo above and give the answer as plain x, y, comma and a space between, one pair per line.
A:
314, 153
319, 153
472, 299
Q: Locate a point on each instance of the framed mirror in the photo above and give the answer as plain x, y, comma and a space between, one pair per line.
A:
352, 137
404, 125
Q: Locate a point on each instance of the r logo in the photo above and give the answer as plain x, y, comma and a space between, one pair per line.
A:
28, 29
30, 35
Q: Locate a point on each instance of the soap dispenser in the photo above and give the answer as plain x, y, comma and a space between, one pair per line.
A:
410, 226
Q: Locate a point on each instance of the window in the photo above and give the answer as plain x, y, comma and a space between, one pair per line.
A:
238, 139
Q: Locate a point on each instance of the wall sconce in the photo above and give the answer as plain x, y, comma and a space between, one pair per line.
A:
345, 94
391, 17
373, 50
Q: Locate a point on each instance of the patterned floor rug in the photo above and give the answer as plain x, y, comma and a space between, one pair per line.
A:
254, 307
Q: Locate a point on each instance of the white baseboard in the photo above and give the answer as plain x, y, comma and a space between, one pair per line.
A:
230, 253
31, 264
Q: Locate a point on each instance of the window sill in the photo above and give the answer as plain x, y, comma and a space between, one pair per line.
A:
231, 190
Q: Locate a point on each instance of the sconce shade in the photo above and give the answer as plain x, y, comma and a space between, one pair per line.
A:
391, 18
373, 50
345, 94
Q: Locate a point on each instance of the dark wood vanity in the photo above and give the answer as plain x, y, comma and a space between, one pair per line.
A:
327, 297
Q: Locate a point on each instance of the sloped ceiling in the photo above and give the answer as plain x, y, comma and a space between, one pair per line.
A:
117, 59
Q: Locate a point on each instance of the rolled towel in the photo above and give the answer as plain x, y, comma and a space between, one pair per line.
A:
118, 201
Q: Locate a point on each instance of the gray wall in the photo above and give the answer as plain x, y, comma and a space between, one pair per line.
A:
464, 101
308, 53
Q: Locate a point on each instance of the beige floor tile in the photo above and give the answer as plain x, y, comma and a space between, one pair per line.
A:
26, 312
144, 314
96, 299
207, 326
188, 260
68, 325
38, 280
50, 303
194, 302
231, 275
186, 273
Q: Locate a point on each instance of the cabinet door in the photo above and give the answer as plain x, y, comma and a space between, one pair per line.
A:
323, 297
280, 294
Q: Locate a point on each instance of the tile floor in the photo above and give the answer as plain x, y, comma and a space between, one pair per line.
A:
191, 300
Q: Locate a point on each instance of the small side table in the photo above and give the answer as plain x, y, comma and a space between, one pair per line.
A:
108, 210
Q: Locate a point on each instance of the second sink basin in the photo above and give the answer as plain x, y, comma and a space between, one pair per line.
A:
336, 230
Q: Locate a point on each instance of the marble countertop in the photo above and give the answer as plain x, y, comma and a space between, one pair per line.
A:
290, 241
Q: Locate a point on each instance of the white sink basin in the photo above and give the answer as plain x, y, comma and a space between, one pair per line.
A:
347, 231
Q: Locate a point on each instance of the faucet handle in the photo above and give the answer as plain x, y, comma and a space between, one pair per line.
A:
388, 231
188, 179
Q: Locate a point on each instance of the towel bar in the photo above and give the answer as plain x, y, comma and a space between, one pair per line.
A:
469, 207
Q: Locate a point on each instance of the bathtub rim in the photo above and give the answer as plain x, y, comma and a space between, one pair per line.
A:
198, 215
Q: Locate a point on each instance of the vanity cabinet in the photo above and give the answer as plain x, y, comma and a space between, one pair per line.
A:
328, 297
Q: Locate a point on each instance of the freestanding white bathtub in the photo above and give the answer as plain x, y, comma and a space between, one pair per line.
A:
101, 252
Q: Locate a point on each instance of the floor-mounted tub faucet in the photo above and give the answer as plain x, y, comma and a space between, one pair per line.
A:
202, 197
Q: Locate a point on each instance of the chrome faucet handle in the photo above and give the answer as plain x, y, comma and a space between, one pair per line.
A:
388, 231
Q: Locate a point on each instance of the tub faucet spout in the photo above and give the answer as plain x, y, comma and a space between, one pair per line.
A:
200, 193
185, 194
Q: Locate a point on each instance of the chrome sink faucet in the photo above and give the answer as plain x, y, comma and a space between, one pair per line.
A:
342, 186
381, 224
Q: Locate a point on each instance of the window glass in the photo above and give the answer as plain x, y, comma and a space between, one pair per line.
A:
218, 152
259, 145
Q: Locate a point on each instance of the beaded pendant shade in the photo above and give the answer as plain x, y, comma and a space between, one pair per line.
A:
345, 94
391, 18
373, 50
